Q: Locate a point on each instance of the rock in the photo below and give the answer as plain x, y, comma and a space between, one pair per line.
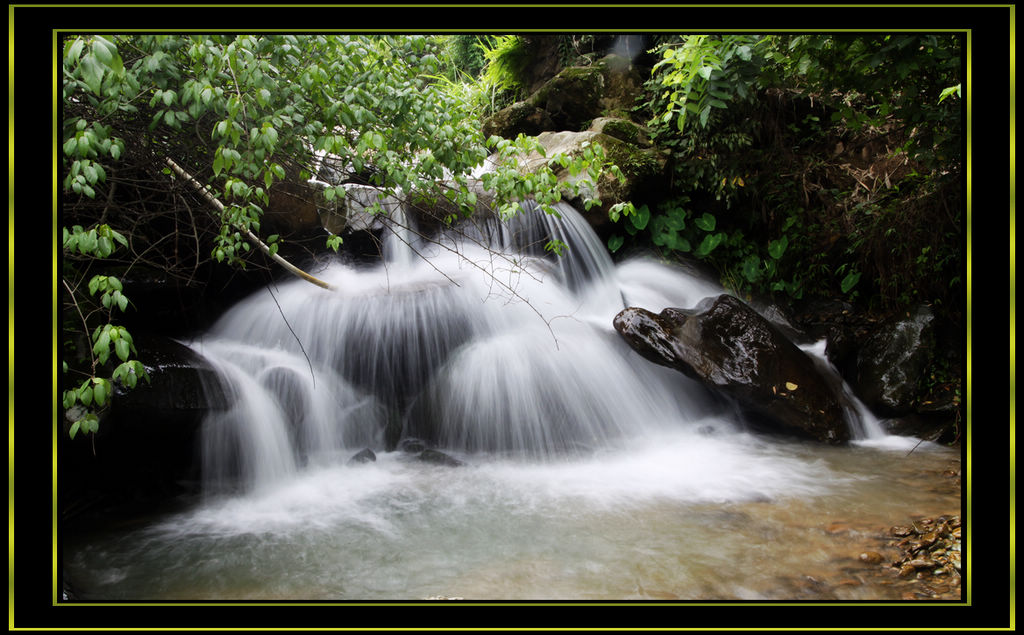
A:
412, 446
892, 362
147, 443
571, 100
589, 104
643, 168
623, 130
291, 210
520, 118
183, 388
935, 428
365, 455
729, 347
871, 557
439, 458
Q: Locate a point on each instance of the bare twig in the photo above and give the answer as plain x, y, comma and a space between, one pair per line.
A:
286, 323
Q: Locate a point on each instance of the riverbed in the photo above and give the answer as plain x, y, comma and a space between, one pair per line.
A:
718, 514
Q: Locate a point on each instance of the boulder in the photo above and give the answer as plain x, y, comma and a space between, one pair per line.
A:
571, 100
642, 167
182, 387
365, 455
893, 360
728, 346
439, 458
291, 210
147, 443
520, 118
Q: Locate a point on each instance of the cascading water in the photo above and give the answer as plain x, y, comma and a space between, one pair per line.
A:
587, 472
483, 345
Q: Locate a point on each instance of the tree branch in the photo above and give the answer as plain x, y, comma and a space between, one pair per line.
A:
251, 236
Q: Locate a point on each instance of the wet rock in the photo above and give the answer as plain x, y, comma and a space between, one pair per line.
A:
146, 447
439, 458
412, 445
728, 346
871, 557
892, 361
928, 549
365, 455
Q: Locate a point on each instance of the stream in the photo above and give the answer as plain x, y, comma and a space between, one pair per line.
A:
586, 472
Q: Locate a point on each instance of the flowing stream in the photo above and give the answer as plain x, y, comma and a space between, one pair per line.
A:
587, 472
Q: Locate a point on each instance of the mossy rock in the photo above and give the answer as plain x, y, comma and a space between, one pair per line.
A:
622, 129
642, 167
519, 118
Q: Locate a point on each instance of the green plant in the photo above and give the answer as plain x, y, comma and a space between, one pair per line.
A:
85, 402
172, 144
507, 58
812, 153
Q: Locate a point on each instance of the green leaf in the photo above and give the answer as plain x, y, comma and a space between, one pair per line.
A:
850, 281
122, 349
704, 114
104, 247
778, 247
706, 222
641, 217
751, 269
74, 428
102, 342
710, 242
679, 243
99, 392
92, 73
103, 49
85, 395
952, 90
615, 242
73, 50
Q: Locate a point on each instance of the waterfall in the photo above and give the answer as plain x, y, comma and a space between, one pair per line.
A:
480, 340
588, 472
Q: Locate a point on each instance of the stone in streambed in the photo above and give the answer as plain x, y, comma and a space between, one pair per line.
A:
439, 458
726, 345
365, 455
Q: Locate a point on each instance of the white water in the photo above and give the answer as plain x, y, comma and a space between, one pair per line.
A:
590, 472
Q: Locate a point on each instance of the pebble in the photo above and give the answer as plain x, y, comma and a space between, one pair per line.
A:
871, 557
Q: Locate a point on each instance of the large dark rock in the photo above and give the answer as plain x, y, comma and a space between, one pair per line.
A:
893, 360
519, 118
729, 347
146, 447
572, 99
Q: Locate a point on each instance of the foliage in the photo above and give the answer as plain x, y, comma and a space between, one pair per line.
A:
84, 402
466, 54
242, 113
797, 160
